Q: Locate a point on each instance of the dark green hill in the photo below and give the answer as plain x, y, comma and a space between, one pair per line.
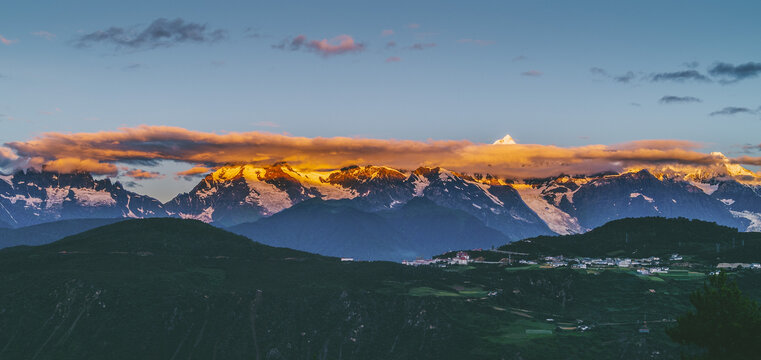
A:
651, 236
48, 232
181, 289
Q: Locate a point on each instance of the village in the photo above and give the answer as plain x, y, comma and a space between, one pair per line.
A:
643, 266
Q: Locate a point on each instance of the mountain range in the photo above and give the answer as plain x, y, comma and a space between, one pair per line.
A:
377, 212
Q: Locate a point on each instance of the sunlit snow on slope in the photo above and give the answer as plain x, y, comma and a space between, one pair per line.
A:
557, 220
315, 179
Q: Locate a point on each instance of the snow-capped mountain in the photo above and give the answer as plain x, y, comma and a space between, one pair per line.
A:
237, 194
33, 197
573, 205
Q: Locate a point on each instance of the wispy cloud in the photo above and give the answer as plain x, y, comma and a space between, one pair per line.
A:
733, 110
387, 32
133, 67
421, 46
341, 44
266, 124
99, 152
532, 73
392, 59
623, 78
6, 41
520, 58
413, 26
680, 76
391, 44
160, 33
45, 35
729, 73
670, 99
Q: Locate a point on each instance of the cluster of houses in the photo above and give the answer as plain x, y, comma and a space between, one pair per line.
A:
461, 258
645, 266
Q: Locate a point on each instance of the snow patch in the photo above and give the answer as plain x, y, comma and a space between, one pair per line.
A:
755, 219
706, 188
7, 178
420, 183
55, 196
727, 201
205, 215
647, 198
30, 201
90, 197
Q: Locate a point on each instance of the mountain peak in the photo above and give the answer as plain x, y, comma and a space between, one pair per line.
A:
506, 140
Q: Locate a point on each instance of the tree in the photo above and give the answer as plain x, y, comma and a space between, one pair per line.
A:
725, 323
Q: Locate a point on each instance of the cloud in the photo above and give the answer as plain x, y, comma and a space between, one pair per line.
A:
691, 64
160, 33
413, 26
45, 35
74, 164
679, 76
520, 58
387, 32
133, 66
477, 42
391, 44
670, 99
733, 110
6, 41
99, 151
731, 73
266, 124
421, 46
392, 59
624, 78
341, 44
139, 174
7, 157
532, 73
194, 172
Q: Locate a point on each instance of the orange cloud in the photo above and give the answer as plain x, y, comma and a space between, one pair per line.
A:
7, 41
100, 150
194, 171
337, 45
74, 164
138, 174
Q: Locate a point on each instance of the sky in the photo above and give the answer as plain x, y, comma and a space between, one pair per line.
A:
561, 75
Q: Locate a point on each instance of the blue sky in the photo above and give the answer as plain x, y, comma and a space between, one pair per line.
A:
497, 67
